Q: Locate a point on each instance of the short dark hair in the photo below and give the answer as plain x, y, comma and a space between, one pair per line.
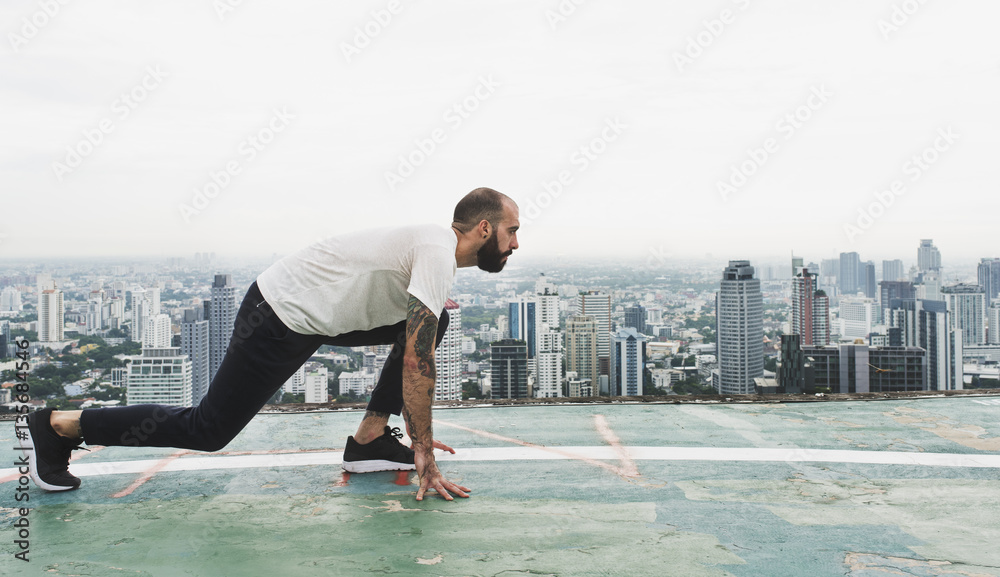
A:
480, 204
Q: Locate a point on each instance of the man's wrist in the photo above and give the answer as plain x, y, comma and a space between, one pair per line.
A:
426, 448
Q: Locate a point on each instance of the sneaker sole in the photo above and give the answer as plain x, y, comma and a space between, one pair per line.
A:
376, 465
29, 452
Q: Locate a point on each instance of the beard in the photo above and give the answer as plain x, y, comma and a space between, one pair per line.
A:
489, 258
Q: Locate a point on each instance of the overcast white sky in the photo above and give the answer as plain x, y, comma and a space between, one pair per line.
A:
548, 87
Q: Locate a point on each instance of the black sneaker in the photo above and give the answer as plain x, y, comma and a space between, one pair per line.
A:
385, 453
47, 453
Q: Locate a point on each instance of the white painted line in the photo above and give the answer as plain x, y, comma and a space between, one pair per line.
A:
739, 454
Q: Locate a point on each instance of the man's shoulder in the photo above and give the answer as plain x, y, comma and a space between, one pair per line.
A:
391, 237
421, 238
431, 234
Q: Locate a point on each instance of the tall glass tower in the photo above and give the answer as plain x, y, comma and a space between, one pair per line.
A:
740, 317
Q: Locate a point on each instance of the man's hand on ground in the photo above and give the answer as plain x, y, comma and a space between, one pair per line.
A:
431, 477
443, 447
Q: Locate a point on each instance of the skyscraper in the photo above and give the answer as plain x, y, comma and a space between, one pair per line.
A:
195, 346
797, 265
581, 347
894, 289
628, 357
928, 256
509, 365
989, 278
522, 323
546, 310
10, 300
857, 317
543, 286
316, 382
928, 285
141, 310
791, 374
157, 334
967, 305
829, 267
448, 357
810, 310
159, 376
598, 305
635, 317
993, 334
5, 338
296, 384
95, 312
892, 270
850, 266
868, 283
926, 324
221, 322
740, 335
549, 364
50, 315
859, 368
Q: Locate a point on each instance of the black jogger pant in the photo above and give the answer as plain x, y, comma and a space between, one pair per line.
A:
263, 353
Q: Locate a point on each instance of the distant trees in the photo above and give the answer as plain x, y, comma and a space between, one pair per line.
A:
693, 386
473, 316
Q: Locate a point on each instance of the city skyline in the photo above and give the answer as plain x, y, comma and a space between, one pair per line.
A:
657, 131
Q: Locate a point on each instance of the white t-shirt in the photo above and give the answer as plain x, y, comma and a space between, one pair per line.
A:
361, 280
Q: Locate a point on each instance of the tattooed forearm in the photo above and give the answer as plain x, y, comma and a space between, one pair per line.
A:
419, 371
421, 331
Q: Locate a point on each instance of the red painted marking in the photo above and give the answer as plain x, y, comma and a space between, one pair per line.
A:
403, 478
81, 454
148, 474
628, 468
589, 461
343, 480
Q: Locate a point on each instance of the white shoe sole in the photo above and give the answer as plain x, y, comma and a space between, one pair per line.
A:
29, 452
375, 465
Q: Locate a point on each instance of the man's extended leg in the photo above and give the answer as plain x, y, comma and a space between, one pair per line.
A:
261, 356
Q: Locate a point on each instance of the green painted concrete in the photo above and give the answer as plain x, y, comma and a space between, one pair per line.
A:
553, 517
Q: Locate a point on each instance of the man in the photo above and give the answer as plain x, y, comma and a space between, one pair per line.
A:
386, 286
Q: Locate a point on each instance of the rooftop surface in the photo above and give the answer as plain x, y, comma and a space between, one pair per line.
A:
859, 488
